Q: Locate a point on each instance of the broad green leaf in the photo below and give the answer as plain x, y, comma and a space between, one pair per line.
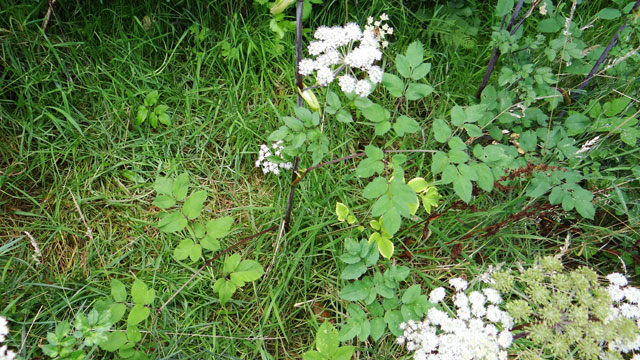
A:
368, 167
313, 355
141, 294
163, 201
418, 184
210, 243
138, 314
142, 114
463, 188
181, 186
199, 230
458, 117
327, 339
344, 353
467, 172
405, 125
376, 113
164, 119
375, 188
151, 98
485, 176
528, 140
192, 207
416, 91
455, 143
393, 318
458, 156
195, 252
585, 208
420, 71
393, 84
303, 114
247, 270
114, 341
473, 130
163, 185
608, 14
576, 124
430, 199
333, 103
183, 250
349, 331
118, 291
449, 174
378, 326
381, 206
503, 7
161, 109
344, 117
549, 25
231, 264
382, 128
385, 246
474, 113
353, 271
153, 119
539, 186
373, 152
219, 227
279, 134
414, 54
616, 106
411, 294
439, 162
403, 66
225, 290
342, 211
441, 131
355, 291
117, 312
391, 221
293, 123
133, 334
172, 222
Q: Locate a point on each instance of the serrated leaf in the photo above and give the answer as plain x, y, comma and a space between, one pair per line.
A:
393, 318
192, 207
405, 125
376, 188
391, 221
333, 102
348, 332
430, 199
439, 162
416, 91
528, 140
225, 290
141, 294
220, 227
458, 156
210, 243
231, 264
118, 291
539, 186
368, 167
117, 312
411, 294
378, 326
449, 174
293, 123
151, 98
463, 188
142, 114
382, 128
172, 222
138, 314
114, 341
503, 7
344, 117
458, 116
403, 66
473, 130
344, 353
393, 84
414, 54
375, 113
181, 186
163, 201
353, 271
327, 339
609, 14
373, 152
585, 208
164, 119
183, 250
355, 291
279, 134
247, 270
420, 71
195, 252
441, 131
485, 176
163, 185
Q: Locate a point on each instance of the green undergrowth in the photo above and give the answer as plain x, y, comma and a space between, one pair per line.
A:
77, 171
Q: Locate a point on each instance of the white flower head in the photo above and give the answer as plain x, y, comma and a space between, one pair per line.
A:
617, 279
267, 165
459, 284
6, 354
4, 328
437, 295
363, 88
324, 76
347, 83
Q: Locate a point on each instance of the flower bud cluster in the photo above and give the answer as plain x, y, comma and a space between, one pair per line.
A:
268, 165
347, 48
479, 330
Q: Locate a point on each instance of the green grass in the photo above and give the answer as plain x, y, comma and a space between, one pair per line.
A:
68, 98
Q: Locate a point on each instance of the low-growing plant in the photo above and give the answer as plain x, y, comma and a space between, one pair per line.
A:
153, 110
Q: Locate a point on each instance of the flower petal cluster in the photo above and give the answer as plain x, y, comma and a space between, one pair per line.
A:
5, 353
626, 305
266, 164
479, 330
350, 49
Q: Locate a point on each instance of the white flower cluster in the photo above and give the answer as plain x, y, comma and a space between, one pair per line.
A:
5, 353
626, 303
267, 165
335, 50
474, 333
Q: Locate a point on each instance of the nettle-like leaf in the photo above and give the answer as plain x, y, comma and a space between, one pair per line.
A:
225, 290
180, 186
405, 125
163, 185
220, 227
172, 222
187, 249
247, 270
192, 207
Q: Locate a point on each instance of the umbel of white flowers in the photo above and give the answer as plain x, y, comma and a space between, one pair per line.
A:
266, 164
350, 49
480, 330
5, 353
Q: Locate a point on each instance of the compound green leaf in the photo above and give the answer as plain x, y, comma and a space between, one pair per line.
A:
164, 201
114, 341
138, 314
441, 131
192, 207
172, 222
181, 186
141, 294
183, 250
118, 291
375, 188
220, 227
414, 54
163, 185
420, 71
405, 125
327, 339
247, 270
416, 91
463, 188
393, 84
